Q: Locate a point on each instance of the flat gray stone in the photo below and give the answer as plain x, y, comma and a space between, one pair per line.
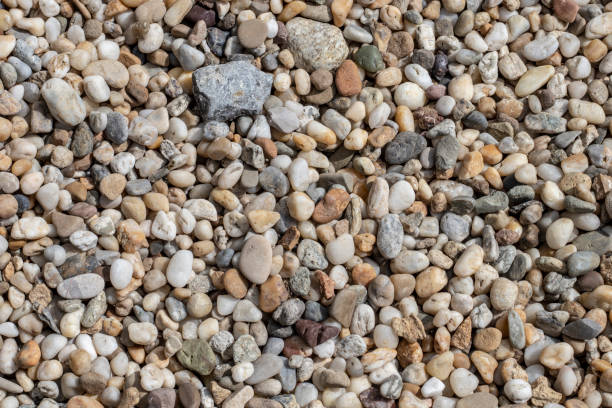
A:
582, 329
582, 262
593, 241
84, 286
266, 366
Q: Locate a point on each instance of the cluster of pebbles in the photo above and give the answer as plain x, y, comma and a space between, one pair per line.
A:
305, 204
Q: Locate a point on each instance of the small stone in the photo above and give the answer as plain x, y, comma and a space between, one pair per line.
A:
83, 286
252, 33
411, 328
390, 235
197, 355
348, 80
566, 10
256, 259
582, 329
161, 398
369, 58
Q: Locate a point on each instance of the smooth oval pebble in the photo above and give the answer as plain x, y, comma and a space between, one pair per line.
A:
179, 268
84, 286
256, 259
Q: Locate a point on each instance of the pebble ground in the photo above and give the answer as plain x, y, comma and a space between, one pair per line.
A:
305, 204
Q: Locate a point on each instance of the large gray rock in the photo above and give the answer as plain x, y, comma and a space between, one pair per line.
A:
316, 45
226, 91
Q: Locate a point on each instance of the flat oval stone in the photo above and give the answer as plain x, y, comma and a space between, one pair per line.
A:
266, 366
582, 262
390, 236
84, 286
63, 102
179, 269
256, 259
538, 50
114, 73
533, 80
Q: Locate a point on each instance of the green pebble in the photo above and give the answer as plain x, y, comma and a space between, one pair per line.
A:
196, 355
368, 57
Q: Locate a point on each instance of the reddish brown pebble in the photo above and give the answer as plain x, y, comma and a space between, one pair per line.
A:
565, 10
348, 80
331, 206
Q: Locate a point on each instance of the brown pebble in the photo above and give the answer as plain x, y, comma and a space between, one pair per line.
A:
29, 355
8, 206
112, 185
272, 293
235, 284
331, 206
348, 80
321, 79
565, 10
80, 362
252, 33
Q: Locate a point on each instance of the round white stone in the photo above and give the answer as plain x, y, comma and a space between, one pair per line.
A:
121, 273
179, 268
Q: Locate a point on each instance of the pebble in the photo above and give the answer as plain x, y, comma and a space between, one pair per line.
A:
370, 204
84, 286
256, 259
179, 269
316, 45
63, 102
222, 94
121, 273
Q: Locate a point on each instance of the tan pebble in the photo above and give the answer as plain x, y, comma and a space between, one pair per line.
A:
441, 365
485, 364
487, 339
533, 80
556, 355
113, 185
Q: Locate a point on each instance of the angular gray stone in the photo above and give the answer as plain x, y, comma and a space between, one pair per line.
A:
289, 312
582, 329
446, 153
494, 202
545, 123
283, 119
311, 254
351, 346
226, 91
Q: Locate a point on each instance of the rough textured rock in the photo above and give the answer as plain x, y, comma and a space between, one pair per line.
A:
226, 91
